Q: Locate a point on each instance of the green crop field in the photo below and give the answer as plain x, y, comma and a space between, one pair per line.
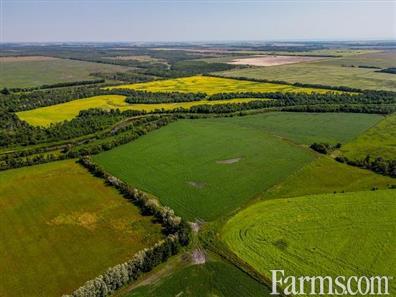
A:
207, 168
330, 234
379, 141
325, 175
306, 128
328, 72
23, 73
44, 116
60, 227
214, 278
213, 85
204, 168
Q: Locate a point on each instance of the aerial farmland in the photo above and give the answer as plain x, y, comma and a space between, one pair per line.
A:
255, 157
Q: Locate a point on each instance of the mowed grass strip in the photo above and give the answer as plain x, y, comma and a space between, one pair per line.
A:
378, 141
204, 168
213, 85
45, 116
60, 227
330, 234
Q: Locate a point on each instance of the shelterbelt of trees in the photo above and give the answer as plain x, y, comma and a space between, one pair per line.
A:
175, 228
20, 101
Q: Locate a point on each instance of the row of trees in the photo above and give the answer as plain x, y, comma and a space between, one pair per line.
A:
376, 164
177, 230
324, 148
125, 273
98, 142
365, 97
162, 97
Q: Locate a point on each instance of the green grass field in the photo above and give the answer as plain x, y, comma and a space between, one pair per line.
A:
44, 116
204, 168
328, 72
378, 141
325, 175
60, 227
23, 74
306, 128
214, 278
329, 234
207, 168
213, 85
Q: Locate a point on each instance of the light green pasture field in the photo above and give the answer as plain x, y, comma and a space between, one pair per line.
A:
60, 227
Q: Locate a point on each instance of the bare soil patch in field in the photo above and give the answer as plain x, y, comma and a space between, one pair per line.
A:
26, 59
229, 161
268, 60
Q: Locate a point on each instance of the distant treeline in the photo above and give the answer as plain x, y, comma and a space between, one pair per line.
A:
391, 70
378, 164
162, 97
127, 76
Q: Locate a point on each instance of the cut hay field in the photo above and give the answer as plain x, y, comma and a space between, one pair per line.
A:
378, 141
214, 278
21, 72
210, 167
213, 85
330, 234
328, 72
60, 227
44, 116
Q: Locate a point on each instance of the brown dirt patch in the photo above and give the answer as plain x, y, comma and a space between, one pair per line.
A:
85, 219
268, 60
26, 59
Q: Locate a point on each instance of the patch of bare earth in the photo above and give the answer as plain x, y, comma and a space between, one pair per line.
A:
195, 184
268, 60
198, 256
26, 59
229, 161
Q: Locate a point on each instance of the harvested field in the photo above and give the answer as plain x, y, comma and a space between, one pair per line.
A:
269, 60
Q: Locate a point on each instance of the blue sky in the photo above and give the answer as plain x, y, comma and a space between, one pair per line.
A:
199, 20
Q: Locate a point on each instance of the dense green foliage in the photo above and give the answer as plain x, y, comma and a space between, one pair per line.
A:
391, 70
324, 148
161, 97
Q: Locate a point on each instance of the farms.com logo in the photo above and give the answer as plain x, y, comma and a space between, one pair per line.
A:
327, 285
